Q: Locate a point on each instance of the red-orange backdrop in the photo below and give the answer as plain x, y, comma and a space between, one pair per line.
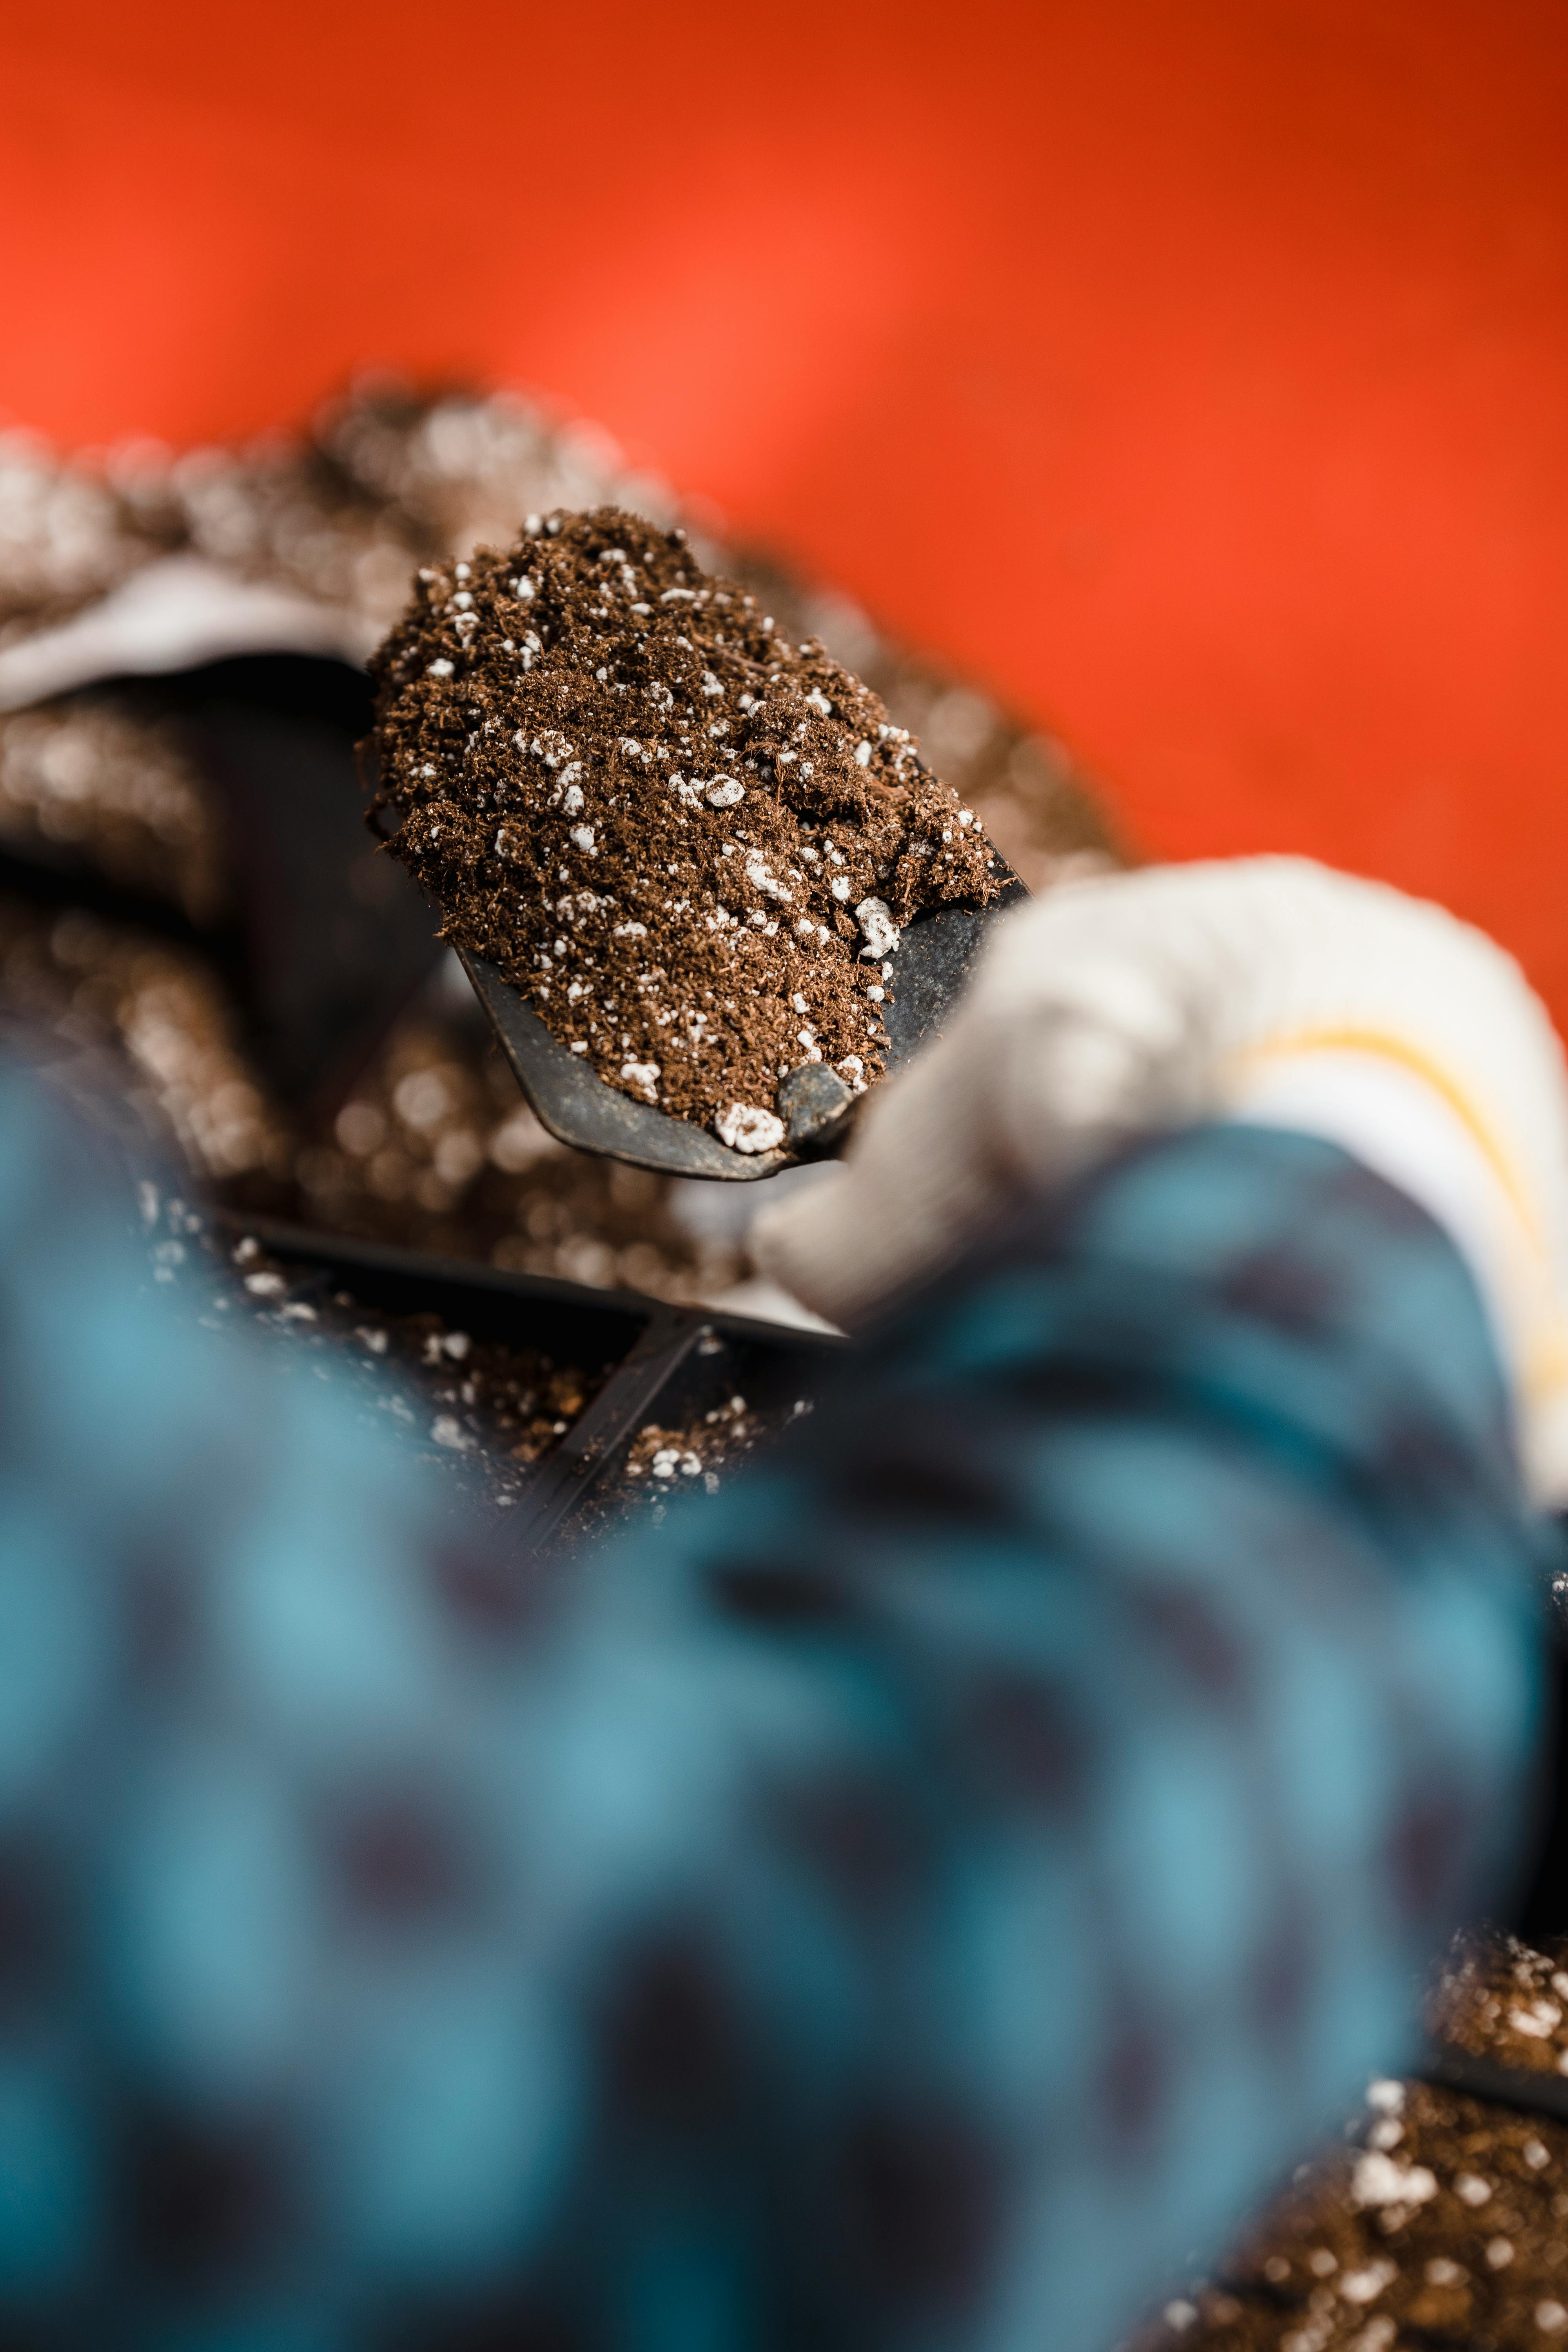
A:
1195, 370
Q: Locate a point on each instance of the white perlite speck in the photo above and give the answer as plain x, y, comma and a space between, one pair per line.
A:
1379, 2181
761, 876
726, 791
582, 836
1367, 2285
1539, 2020
644, 1076
744, 1128
449, 1431
877, 929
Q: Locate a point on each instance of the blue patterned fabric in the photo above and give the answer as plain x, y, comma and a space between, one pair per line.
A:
911, 1899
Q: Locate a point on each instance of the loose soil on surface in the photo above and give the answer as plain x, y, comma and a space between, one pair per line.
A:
696, 1455
691, 844
481, 1412
661, 1460
1441, 2227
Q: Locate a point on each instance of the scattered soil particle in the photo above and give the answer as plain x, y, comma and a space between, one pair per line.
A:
666, 1457
692, 844
697, 1454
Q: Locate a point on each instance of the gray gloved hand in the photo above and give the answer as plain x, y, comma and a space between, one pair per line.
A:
1264, 989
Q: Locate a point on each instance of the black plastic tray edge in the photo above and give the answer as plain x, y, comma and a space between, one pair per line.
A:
569, 1475
285, 1239
44, 875
1449, 2069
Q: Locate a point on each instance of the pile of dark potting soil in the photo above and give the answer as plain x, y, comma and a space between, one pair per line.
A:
691, 845
433, 1149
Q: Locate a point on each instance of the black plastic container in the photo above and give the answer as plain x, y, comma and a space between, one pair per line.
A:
327, 940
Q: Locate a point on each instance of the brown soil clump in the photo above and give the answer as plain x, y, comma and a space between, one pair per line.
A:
689, 842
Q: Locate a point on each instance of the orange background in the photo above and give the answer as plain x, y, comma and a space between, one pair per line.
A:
1194, 371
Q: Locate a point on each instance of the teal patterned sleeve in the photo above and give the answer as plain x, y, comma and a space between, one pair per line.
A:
913, 1898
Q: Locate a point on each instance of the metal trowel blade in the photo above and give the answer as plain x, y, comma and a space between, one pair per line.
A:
934, 957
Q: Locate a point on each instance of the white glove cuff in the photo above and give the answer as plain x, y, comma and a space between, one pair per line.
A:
1411, 1127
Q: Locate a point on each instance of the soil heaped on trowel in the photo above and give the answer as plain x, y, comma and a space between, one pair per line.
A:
690, 844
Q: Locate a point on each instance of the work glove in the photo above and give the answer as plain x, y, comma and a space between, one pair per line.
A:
1269, 989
